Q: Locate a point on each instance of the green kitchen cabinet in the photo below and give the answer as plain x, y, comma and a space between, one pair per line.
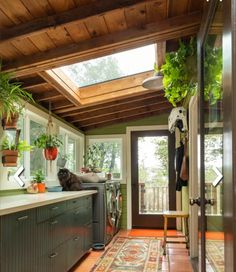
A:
18, 242
51, 238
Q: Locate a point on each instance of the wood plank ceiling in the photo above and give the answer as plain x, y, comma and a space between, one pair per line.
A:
38, 36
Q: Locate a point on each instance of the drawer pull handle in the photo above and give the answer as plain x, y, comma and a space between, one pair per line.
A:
76, 239
22, 218
54, 222
76, 212
53, 255
74, 201
54, 208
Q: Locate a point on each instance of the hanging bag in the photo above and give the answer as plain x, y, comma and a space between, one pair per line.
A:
184, 175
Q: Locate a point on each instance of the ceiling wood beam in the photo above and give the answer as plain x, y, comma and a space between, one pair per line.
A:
116, 109
171, 28
129, 112
110, 105
55, 105
125, 119
160, 53
62, 19
48, 95
74, 110
32, 82
63, 85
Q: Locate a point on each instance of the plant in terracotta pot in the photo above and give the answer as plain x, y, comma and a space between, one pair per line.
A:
39, 178
12, 150
12, 100
50, 144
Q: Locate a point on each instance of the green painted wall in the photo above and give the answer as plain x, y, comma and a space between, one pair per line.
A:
123, 222
121, 128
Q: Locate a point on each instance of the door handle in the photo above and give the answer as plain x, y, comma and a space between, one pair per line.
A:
193, 201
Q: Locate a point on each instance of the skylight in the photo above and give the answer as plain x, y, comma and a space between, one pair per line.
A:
111, 67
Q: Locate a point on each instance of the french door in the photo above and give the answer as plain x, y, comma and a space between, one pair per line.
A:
152, 177
211, 147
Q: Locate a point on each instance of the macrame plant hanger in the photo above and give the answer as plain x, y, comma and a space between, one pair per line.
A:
49, 129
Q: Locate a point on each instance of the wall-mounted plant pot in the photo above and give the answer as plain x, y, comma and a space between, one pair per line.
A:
41, 187
50, 153
9, 158
61, 162
11, 123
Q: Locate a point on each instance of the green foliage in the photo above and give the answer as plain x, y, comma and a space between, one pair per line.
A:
12, 96
180, 70
213, 74
98, 70
47, 141
180, 73
102, 157
20, 147
39, 176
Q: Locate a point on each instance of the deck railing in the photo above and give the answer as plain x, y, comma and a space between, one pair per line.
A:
153, 198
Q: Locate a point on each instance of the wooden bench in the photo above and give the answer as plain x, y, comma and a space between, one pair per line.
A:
176, 214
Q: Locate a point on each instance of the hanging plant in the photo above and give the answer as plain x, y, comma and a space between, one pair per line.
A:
180, 74
50, 144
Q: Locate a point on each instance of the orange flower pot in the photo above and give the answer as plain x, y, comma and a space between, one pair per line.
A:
41, 187
50, 153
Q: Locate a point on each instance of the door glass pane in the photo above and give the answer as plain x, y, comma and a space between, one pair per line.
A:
153, 174
213, 149
71, 164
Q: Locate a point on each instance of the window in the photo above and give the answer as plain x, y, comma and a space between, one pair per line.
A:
109, 155
37, 160
71, 152
111, 67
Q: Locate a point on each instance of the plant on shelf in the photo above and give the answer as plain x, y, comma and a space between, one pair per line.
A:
50, 144
12, 150
39, 178
91, 159
180, 74
12, 100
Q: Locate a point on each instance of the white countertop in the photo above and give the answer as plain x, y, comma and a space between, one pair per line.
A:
16, 203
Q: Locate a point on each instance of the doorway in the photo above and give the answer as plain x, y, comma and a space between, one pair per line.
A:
152, 178
211, 183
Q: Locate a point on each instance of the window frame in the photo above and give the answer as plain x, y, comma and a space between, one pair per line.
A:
104, 138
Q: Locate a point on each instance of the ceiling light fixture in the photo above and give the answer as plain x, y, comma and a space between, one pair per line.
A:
153, 82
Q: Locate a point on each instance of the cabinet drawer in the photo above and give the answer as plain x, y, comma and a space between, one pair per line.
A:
53, 260
74, 203
88, 202
75, 249
46, 212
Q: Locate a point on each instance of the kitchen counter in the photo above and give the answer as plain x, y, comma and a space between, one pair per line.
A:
16, 203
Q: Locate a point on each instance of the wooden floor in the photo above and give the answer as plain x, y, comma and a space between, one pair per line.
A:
176, 260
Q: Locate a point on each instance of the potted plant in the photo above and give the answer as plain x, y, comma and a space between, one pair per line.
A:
62, 160
39, 178
50, 144
12, 100
91, 159
180, 74
12, 150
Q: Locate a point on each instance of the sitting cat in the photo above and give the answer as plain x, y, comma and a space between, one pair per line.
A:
68, 180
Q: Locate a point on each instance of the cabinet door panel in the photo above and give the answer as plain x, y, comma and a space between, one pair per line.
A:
75, 249
49, 211
88, 237
18, 242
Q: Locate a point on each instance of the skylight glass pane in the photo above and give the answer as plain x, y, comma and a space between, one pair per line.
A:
111, 67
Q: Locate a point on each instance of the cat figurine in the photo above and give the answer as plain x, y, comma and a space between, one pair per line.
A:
68, 180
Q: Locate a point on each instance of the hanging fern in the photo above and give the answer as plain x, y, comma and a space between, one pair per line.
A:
180, 73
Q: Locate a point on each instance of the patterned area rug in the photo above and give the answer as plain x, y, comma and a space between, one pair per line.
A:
215, 254
131, 255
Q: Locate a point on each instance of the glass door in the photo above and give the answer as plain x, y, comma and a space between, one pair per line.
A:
211, 238
153, 182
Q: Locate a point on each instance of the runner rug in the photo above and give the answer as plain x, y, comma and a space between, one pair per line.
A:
215, 254
131, 255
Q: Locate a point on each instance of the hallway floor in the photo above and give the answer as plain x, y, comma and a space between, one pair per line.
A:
176, 260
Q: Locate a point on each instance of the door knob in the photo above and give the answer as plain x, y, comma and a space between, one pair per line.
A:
193, 201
